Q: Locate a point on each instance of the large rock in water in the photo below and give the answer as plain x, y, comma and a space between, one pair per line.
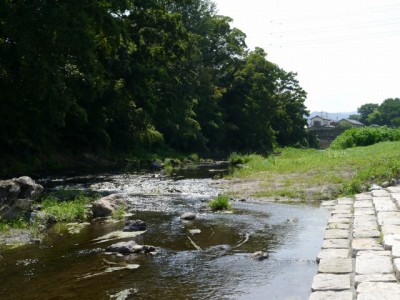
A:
105, 206
136, 225
131, 247
16, 196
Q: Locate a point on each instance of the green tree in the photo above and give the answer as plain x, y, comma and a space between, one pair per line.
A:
390, 112
249, 105
365, 110
290, 116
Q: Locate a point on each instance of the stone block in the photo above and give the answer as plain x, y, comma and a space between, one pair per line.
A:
335, 266
328, 203
365, 233
365, 244
378, 291
389, 239
331, 296
396, 265
336, 234
338, 226
390, 229
380, 193
365, 221
394, 189
363, 196
345, 201
373, 262
390, 221
333, 253
330, 282
396, 249
334, 219
363, 204
345, 216
384, 215
374, 278
336, 244
361, 211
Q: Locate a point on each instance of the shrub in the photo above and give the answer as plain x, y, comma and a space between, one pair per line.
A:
366, 136
237, 159
220, 203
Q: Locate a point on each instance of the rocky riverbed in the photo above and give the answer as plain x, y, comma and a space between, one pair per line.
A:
258, 249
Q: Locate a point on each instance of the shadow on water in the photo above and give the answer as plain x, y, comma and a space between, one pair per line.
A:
222, 269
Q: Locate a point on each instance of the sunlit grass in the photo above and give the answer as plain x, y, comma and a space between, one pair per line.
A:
220, 203
66, 211
299, 173
18, 223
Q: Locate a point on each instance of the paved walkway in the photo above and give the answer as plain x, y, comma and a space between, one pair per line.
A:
360, 255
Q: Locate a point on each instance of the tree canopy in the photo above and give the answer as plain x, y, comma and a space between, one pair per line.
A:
385, 114
121, 75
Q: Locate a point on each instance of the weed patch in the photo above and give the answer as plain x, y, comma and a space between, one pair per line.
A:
220, 203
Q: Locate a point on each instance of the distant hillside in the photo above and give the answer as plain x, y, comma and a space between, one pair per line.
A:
332, 116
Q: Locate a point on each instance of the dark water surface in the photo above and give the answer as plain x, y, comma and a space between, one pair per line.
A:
223, 269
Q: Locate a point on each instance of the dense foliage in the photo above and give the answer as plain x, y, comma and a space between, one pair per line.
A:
385, 114
120, 76
365, 136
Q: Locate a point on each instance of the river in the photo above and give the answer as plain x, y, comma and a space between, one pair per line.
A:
71, 266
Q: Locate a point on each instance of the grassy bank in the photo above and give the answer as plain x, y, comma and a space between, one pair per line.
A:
317, 175
66, 206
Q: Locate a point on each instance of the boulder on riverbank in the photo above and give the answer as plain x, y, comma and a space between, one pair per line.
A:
105, 206
16, 196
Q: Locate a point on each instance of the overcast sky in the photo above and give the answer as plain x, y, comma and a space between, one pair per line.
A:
346, 52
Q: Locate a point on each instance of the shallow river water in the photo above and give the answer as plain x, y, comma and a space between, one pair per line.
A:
61, 266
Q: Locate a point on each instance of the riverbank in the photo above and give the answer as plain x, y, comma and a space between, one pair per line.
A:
360, 256
72, 164
307, 175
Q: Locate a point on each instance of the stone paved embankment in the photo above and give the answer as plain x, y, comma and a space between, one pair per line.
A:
360, 255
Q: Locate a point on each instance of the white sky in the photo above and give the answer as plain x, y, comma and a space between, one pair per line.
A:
346, 52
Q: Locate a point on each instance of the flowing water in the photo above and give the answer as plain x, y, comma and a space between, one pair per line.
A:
71, 266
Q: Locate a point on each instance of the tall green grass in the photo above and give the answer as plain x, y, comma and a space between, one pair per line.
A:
66, 211
310, 174
220, 203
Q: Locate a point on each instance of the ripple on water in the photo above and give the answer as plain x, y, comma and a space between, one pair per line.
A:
223, 269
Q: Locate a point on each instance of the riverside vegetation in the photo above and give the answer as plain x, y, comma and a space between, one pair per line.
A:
311, 174
116, 79
289, 175
63, 207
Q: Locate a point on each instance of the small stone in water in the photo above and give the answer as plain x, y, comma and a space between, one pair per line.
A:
260, 255
194, 231
188, 216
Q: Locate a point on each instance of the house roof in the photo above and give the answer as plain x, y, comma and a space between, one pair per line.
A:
354, 122
320, 118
